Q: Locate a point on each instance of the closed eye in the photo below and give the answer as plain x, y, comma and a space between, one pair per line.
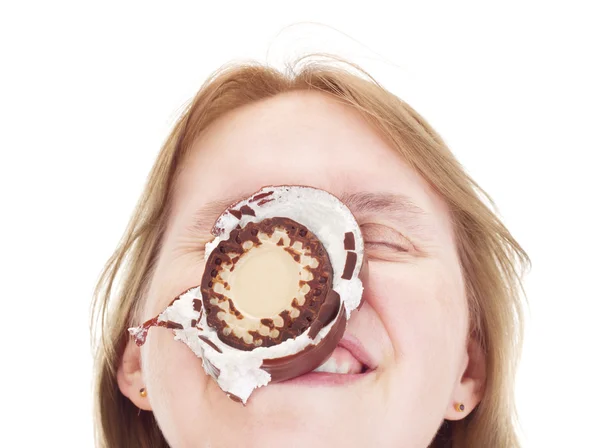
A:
378, 244
383, 242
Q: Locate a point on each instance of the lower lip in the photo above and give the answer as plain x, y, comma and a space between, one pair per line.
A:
327, 379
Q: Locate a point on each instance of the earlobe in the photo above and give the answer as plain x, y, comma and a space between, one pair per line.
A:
471, 386
129, 376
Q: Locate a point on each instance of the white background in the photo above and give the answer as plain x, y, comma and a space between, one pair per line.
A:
88, 93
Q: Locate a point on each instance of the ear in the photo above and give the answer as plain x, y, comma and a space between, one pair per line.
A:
129, 376
470, 387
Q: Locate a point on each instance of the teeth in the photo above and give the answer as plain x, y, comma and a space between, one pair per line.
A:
330, 366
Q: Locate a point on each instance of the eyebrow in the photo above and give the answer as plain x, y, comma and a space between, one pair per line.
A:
206, 216
364, 202
399, 207
414, 222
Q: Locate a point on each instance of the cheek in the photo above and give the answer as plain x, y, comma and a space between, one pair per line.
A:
177, 386
424, 313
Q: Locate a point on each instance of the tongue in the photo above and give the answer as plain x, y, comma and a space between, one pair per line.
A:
342, 361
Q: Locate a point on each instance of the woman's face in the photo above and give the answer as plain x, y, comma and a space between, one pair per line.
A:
413, 325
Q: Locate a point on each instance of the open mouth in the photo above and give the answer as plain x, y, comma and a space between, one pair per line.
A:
349, 357
347, 363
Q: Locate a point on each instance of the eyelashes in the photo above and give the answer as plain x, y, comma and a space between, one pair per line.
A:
385, 246
383, 242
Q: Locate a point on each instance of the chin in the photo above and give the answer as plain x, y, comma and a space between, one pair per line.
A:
285, 409
298, 429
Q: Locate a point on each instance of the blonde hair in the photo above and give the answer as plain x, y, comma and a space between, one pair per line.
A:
490, 257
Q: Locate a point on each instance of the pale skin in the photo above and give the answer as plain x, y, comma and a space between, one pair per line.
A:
414, 324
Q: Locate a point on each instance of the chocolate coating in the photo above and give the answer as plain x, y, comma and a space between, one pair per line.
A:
247, 210
328, 311
349, 241
310, 358
197, 305
235, 398
231, 250
260, 196
351, 259
210, 343
140, 335
236, 213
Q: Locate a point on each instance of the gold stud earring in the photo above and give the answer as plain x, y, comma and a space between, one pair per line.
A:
459, 407
143, 392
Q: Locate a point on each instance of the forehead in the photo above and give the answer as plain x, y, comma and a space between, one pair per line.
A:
301, 138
